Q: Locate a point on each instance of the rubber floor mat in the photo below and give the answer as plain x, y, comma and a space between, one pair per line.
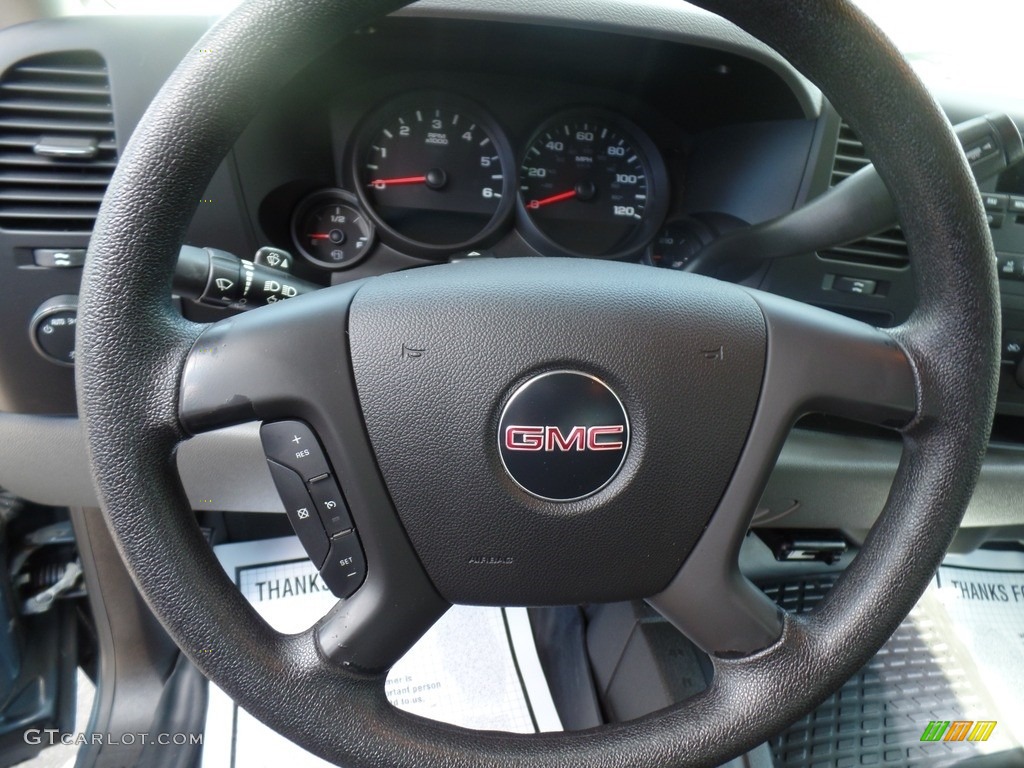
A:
934, 693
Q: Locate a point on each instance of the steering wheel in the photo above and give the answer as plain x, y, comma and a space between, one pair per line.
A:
451, 503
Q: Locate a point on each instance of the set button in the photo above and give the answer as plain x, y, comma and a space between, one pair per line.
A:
345, 568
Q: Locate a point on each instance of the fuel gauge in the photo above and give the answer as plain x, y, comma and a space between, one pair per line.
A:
330, 231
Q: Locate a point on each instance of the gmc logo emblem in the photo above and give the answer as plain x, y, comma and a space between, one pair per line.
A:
519, 438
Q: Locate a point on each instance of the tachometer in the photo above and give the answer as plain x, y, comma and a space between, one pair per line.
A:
591, 184
434, 173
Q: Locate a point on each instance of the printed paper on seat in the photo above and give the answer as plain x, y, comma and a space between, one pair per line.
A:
477, 667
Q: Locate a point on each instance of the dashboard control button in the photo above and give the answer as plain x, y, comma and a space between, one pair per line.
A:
273, 258
58, 258
55, 336
980, 150
995, 220
330, 504
1016, 204
1010, 267
993, 202
226, 282
301, 512
52, 329
293, 444
855, 285
345, 568
1013, 346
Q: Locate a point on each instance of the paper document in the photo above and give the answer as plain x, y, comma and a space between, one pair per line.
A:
477, 667
986, 617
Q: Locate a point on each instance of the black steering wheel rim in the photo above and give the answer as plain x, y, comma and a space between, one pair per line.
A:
132, 346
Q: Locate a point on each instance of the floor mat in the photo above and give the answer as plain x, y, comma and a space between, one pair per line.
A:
948, 685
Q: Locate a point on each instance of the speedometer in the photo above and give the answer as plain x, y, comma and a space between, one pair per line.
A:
591, 184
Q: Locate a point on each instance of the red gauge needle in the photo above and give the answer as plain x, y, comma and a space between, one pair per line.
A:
553, 199
320, 237
382, 183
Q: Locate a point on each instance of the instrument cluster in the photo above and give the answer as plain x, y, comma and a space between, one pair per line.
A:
435, 175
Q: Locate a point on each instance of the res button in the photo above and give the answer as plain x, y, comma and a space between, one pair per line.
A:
293, 444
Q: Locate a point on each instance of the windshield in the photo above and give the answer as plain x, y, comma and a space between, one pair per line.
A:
953, 44
957, 45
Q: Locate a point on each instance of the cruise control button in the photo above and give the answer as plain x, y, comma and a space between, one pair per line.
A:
331, 506
345, 568
301, 512
293, 444
1017, 204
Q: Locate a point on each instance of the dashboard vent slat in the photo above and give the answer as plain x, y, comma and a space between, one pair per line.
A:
50, 125
51, 107
48, 178
883, 249
35, 196
26, 160
40, 66
14, 140
57, 88
39, 212
58, 106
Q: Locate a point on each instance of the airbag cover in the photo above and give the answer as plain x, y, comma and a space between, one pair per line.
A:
437, 353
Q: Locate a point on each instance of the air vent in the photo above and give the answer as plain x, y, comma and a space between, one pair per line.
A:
885, 249
57, 144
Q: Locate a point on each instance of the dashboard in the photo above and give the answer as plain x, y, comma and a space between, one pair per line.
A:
442, 134
557, 149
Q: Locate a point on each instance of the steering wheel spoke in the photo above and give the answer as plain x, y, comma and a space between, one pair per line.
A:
288, 366
288, 360
817, 361
378, 625
822, 362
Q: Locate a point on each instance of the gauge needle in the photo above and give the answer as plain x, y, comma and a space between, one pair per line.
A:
382, 183
553, 199
320, 237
